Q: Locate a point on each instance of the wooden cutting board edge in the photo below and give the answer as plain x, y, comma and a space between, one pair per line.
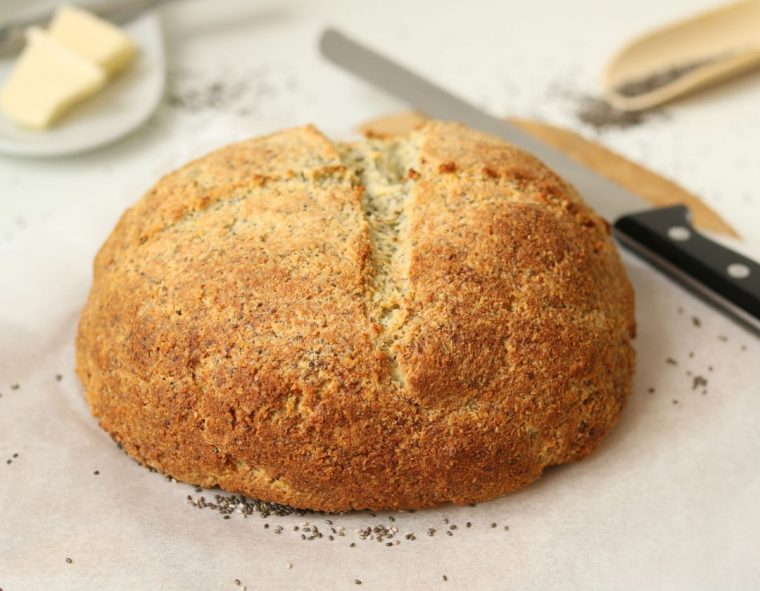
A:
656, 189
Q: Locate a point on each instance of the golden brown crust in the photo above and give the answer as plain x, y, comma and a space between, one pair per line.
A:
228, 337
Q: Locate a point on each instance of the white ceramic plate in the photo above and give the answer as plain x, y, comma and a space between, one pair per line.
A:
112, 113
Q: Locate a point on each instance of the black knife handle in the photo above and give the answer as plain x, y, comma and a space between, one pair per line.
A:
665, 237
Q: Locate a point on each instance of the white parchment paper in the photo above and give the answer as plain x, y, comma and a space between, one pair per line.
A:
671, 500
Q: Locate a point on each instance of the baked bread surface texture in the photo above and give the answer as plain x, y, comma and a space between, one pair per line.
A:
391, 324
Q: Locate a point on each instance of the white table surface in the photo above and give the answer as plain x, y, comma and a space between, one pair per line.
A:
681, 478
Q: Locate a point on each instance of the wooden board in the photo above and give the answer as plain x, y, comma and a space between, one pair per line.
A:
658, 190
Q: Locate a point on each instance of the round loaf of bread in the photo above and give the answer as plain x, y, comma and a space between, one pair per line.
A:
389, 324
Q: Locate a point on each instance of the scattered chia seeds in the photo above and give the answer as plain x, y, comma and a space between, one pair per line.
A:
229, 504
445, 578
15, 386
357, 582
69, 561
661, 78
699, 381
651, 390
96, 472
388, 534
261, 91
602, 116
671, 361
58, 377
675, 401
696, 321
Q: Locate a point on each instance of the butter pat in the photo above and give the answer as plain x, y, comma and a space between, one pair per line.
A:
47, 80
93, 38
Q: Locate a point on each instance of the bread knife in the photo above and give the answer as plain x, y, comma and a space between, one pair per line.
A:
662, 236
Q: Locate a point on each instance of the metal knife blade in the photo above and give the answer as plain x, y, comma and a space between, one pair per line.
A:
663, 237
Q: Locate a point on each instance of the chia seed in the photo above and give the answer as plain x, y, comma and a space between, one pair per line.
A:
660, 78
601, 115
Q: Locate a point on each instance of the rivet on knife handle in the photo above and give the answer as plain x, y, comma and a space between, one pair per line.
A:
667, 239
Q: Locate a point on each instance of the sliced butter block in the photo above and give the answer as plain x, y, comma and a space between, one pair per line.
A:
93, 38
47, 80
